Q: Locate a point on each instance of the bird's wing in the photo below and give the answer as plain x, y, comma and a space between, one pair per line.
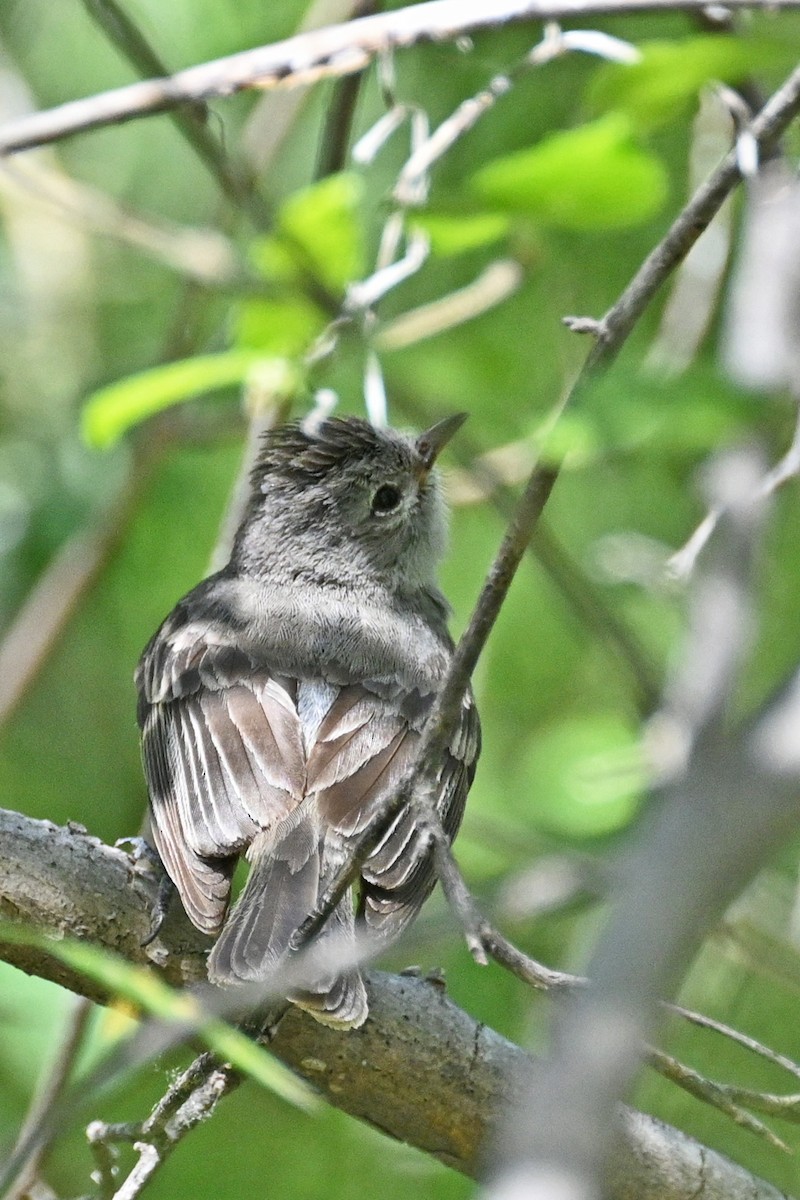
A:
363, 748
223, 757
228, 756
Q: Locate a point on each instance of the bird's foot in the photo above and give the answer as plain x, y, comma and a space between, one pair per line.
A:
158, 913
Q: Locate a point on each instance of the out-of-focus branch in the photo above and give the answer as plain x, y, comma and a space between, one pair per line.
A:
612, 329
190, 1100
234, 180
335, 137
372, 1073
704, 842
694, 296
203, 255
681, 564
48, 607
48, 1095
335, 51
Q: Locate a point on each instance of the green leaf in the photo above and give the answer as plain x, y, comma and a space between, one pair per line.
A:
141, 987
631, 412
585, 777
450, 234
111, 411
275, 261
323, 221
670, 74
593, 177
285, 326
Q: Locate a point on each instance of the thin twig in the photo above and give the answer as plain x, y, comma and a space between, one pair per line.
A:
439, 725
501, 279
681, 564
735, 1035
612, 332
234, 180
613, 329
717, 1095
787, 1108
189, 1101
409, 182
582, 595
335, 139
486, 480
307, 58
525, 968
482, 938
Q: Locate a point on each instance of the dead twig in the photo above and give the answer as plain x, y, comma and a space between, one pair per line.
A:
189, 1101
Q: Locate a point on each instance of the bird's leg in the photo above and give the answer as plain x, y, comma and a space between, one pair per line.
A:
158, 913
142, 852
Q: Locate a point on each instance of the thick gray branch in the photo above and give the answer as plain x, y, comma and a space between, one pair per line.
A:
326, 53
421, 1069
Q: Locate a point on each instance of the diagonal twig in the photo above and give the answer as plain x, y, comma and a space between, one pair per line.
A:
188, 1102
234, 179
307, 58
613, 329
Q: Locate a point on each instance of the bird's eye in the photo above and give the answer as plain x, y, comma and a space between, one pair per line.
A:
386, 499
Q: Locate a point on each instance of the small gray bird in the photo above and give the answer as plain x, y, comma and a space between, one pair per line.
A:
284, 697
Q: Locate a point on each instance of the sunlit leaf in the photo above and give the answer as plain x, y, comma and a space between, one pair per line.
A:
323, 220
450, 234
281, 326
273, 259
670, 74
111, 411
593, 177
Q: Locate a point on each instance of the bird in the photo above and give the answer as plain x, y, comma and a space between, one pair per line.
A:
283, 698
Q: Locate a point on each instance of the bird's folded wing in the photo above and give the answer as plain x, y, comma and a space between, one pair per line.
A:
221, 766
227, 756
363, 749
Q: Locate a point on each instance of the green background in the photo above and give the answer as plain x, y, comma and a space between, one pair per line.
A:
560, 772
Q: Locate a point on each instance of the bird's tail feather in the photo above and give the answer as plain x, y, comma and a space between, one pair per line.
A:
336, 999
281, 891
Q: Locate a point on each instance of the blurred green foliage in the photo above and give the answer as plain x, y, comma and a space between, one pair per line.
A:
592, 177
574, 174
664, 84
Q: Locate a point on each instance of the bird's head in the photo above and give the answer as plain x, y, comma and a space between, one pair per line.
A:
348, 500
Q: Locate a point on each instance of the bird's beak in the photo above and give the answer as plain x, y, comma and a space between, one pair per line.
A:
431, 443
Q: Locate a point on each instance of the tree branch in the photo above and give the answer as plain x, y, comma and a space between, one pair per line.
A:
673, 890
321, 54
234, 180
613, 329
372, 1073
